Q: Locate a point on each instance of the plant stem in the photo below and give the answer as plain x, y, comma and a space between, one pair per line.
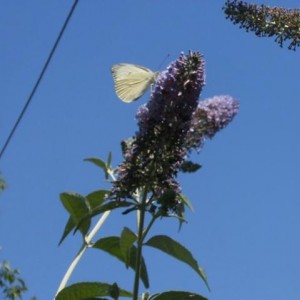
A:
149, 226
88, 240
139, 245
82, 250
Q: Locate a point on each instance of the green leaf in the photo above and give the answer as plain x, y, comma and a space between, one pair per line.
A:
127, 239
186, 201
177, 295
181, 220
114, 291
2, 183
73, 203
110, 206
108, 164
112, 246
167, 198
78, 207
96, 198
87, 290
189, 167
11, 285
99, 163
109, 159
175, 249
68, 228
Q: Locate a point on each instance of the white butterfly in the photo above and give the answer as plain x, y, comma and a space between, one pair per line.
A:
131, 81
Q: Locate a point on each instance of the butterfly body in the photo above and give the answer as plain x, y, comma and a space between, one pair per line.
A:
132, 81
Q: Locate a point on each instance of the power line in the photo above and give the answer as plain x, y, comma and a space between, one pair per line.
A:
39, 78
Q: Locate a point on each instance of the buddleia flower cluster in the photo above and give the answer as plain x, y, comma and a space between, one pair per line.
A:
266, 21
210, 116
171, 124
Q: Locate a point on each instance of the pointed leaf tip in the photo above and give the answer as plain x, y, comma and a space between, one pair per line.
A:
78, 207
175, 249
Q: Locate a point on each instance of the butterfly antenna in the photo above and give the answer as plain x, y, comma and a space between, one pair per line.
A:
163, 61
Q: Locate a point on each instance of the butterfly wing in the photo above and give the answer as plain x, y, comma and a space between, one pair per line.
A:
131, 81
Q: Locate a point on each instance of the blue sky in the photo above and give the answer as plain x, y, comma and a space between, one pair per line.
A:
245, 228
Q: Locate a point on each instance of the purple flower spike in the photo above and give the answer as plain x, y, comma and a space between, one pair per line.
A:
211, 116
175, 95
153, 158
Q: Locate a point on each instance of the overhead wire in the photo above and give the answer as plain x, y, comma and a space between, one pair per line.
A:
28, 101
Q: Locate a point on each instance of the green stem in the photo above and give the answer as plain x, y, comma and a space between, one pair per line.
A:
88, 240
149, 226
139, 245
76, 260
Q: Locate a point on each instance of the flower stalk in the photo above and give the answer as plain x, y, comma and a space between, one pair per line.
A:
140, 238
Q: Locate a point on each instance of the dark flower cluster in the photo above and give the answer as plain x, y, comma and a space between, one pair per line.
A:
266, 21
170, 124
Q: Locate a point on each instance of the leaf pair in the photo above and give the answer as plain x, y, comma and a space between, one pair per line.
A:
123, 249
79, 207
